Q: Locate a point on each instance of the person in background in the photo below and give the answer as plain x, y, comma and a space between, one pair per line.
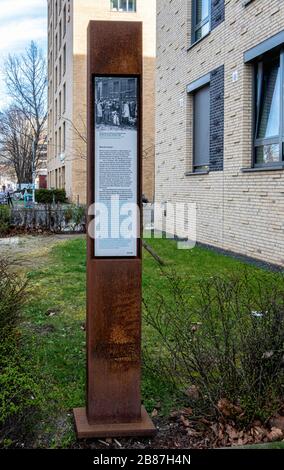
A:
9, 199
126, 113
99, 112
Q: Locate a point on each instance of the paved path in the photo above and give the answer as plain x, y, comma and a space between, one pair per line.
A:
31, 251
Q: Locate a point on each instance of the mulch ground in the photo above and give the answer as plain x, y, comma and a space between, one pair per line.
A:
181, 431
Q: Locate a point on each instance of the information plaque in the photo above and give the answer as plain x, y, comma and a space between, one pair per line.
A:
114, 249
116, 149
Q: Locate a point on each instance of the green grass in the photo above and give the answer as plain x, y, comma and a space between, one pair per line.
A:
56, 343
268, 445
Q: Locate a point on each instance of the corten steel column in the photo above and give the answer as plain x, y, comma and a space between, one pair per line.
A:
113, 284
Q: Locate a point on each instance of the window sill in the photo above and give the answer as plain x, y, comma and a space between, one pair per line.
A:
196, 173
262, 168
122, 11
198, 41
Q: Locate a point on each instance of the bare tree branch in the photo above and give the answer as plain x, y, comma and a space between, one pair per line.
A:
25, 121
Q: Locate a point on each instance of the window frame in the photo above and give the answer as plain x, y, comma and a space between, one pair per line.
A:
257, 103
120, 10
197, 26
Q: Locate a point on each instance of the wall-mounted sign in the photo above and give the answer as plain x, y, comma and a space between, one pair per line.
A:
235, 76
116, 150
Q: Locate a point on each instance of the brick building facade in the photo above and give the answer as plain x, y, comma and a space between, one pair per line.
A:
67, 78
220, 120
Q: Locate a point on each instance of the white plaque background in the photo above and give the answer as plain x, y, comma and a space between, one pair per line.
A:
116, 160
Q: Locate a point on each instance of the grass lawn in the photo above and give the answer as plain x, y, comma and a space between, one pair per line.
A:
54, 334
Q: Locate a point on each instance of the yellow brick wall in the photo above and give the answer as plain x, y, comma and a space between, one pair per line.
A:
242, 212
80, 13
85, 11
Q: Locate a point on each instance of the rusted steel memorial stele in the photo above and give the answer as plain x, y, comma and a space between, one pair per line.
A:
114, 262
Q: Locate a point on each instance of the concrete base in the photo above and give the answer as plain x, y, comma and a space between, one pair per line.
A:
84, 430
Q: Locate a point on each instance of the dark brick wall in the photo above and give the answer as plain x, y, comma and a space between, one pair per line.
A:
217, 119
217, 12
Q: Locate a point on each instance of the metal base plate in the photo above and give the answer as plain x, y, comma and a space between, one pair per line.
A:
84, 430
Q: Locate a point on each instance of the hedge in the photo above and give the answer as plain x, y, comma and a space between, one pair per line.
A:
48, 196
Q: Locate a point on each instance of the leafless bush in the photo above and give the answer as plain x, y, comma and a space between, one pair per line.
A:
222, 338
13, 295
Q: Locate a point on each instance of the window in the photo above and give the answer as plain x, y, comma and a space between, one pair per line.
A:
269, 114
51, 91
64, 97
200, 19
201, 129
56, 12
60, 34
116, 89
64, 59
131, 85
60, 69
56, 111
63, 177
60, 105
55, 148
64, 137
64, 20
59, 140
123, 5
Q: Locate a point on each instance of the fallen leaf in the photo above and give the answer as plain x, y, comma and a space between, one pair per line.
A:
193, 392
228, 409
232, 432
275, 434
259, 433
187, 411
154, 413
185, 421
277, 422
192, 433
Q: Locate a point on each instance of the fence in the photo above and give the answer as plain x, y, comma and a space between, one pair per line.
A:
57, 219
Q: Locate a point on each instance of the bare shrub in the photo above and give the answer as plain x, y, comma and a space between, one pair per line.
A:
222, 337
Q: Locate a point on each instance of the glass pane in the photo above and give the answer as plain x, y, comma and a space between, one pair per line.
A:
270, 106
131, 84
116, 87
114, 4
201, 168
131, 5
202, 31
202, 10
123, 5
267, 154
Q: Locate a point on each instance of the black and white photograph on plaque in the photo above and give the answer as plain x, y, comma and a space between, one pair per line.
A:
116, 103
